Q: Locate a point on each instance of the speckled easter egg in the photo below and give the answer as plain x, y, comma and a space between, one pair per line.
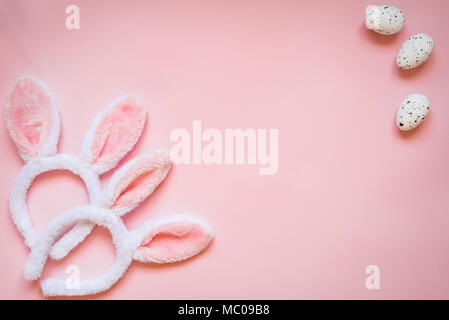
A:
415, 51
412, 111
384, 19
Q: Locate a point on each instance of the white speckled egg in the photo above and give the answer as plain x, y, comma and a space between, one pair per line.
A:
415, 51
384, 19
412, 111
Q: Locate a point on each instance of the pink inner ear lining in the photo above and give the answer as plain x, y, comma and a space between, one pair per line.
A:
175, 242
29, 116
118, 131
135, 191
141, 179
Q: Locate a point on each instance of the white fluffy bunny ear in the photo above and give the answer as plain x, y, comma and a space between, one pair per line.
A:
32, 119
136, 180
172, 239
113, 133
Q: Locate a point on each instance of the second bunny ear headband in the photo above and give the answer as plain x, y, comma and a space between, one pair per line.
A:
34, 125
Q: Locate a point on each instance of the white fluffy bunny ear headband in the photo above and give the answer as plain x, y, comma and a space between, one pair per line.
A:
34, 125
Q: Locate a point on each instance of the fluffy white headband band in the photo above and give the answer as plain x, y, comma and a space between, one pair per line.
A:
34, 125
190, 237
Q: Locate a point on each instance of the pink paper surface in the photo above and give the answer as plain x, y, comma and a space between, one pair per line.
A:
351, 189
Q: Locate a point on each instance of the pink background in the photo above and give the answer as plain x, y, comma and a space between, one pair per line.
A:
351, 189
